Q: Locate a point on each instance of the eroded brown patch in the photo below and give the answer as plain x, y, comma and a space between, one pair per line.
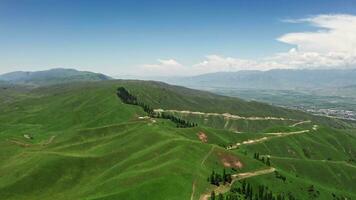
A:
229, 160
203, 137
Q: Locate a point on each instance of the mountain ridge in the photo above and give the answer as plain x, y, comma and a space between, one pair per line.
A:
271, 79
51, 76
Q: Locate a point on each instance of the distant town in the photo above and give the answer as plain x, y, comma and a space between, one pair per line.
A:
329, 112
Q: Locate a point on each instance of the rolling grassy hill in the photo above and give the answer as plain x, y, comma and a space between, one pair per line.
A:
80, 141
50, 77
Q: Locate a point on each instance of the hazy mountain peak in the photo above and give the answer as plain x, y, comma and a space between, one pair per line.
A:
51, 76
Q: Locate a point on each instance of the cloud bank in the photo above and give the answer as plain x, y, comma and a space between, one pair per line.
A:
332, 45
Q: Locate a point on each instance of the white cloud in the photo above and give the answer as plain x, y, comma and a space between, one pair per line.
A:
332, 45
214, 63
336, 33
168, 67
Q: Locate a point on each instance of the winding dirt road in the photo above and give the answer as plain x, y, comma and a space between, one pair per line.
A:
225, 115
225, 188
273, 135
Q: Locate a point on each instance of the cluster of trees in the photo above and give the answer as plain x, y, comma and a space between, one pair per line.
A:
262, 193
313, 192
217, 179
306, 153
213, 196
280, 176
128, 98
262, 159
341, 197
181, 123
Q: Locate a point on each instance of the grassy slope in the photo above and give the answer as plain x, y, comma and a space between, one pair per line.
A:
320, 158
101, 149
161, 95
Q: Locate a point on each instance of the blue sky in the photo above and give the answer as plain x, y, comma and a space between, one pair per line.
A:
132, 37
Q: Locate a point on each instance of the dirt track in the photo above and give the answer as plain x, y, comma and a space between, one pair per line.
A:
50, 140
273, 135
225, 115
207, 156
19, 143
193, 191
236, 177
299, 123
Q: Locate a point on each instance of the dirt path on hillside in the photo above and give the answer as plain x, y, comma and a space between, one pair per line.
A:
225, 115
193, 191
342, 162
201, 164
19, 143
207, 156
263, 139
240, 176
288, 133
23, 144
49, 141
225, 188
299, 123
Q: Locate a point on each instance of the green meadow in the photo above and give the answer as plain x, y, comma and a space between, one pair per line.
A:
80, 141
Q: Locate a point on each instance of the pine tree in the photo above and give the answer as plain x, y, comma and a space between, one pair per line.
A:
268, 162
212, 196
243, 187
212, 178
247, 192
224, 176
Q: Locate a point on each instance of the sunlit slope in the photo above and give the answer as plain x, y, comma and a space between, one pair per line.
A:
323, 158
168, 97
322, 144
124, 161
161, 95
67, 106
87, 144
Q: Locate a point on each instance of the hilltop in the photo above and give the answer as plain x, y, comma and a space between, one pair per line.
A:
52, 76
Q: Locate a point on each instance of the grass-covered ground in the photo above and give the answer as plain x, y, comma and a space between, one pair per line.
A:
79, 141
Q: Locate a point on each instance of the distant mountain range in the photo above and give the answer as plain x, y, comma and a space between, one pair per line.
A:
278, 79
273, 79
53, 76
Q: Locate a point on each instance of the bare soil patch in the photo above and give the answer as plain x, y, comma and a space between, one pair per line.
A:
203, 137
229, 160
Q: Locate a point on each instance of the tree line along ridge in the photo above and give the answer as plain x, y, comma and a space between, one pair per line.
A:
128, 98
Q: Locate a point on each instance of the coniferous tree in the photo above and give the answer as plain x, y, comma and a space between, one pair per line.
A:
212, 178
268, 162
224, 177
212, 196
243, 189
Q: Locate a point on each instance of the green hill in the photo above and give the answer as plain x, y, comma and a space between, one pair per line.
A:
80, 141
50, 77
